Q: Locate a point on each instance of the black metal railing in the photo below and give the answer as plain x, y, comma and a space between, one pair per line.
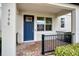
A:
17, 38
50, 42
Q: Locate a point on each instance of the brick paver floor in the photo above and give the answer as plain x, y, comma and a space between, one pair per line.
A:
29, 49
34, 48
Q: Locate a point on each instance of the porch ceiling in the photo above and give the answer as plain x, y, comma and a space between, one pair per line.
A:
42, 7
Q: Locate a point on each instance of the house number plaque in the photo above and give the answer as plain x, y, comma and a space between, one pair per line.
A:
8, 17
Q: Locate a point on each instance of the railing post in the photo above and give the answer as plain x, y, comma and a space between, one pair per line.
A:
43, 44
17, 38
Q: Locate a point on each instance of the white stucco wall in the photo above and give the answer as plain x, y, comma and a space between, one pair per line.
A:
0, 21
75, 25
19, 27
0, 17
37, 34
74, 21
8, 31
67, 26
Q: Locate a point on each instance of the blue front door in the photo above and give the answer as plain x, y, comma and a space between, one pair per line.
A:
28, 27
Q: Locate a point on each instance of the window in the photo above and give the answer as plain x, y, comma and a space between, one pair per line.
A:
48, 27
62, 22
40, 27
40, 23
44, 24
28, 19
40, 18
48, 24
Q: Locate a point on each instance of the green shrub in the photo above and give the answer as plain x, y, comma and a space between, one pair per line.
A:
67, 50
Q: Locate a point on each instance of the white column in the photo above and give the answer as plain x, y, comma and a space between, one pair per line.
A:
75, 25
8, 29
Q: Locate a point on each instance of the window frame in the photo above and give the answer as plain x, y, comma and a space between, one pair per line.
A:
49, 24
40, 24
62, 22
45, 24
